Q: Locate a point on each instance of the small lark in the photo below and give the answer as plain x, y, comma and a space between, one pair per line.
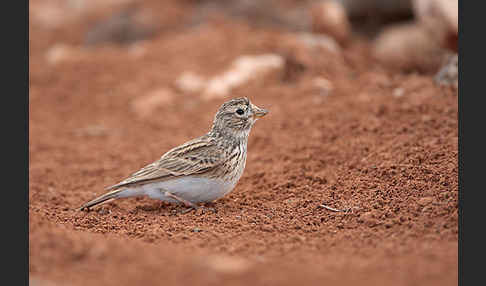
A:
201, 170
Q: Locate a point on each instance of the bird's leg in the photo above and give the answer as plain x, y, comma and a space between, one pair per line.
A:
188, 210
181, 200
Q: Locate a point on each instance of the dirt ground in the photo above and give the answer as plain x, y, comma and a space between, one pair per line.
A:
379, 141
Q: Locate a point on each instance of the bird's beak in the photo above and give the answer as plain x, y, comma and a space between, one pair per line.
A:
258, 112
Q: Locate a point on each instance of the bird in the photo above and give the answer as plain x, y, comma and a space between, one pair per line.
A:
200, 170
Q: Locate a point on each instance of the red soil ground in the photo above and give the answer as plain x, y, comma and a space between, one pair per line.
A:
392, 159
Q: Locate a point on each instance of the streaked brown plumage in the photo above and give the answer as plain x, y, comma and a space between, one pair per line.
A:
199, 170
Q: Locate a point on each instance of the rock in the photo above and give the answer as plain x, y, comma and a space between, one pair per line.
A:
449, 74
319, 41
241, 71
190, 82
329, 17
303, 50
59, 52
144, 106
441, 19
323, 86
425, 201
445, 10
398, 92
407, 46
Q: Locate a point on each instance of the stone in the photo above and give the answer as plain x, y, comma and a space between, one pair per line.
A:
398, 92
60, 52
313, 41
407, 46
243, 69
322, 85
329, 17
440, 18
189, 82
145, 105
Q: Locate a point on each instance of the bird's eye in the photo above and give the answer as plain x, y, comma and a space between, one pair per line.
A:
240, 111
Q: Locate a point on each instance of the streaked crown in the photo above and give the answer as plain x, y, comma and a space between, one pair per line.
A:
237, 115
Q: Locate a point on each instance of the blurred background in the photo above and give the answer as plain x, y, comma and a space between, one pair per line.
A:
412, 35
363, 116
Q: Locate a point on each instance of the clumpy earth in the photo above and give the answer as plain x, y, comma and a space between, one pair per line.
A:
342, 131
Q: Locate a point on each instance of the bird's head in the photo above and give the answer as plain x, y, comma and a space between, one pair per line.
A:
237, 116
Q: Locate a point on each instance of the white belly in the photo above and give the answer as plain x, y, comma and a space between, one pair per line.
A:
193, 189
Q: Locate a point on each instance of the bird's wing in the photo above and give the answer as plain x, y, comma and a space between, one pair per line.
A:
193, 157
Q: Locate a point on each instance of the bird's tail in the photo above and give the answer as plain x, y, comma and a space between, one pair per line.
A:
108, 196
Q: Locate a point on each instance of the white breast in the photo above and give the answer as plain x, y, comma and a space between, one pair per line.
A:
193, 189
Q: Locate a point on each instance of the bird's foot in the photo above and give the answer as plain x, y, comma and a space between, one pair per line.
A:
191, 206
